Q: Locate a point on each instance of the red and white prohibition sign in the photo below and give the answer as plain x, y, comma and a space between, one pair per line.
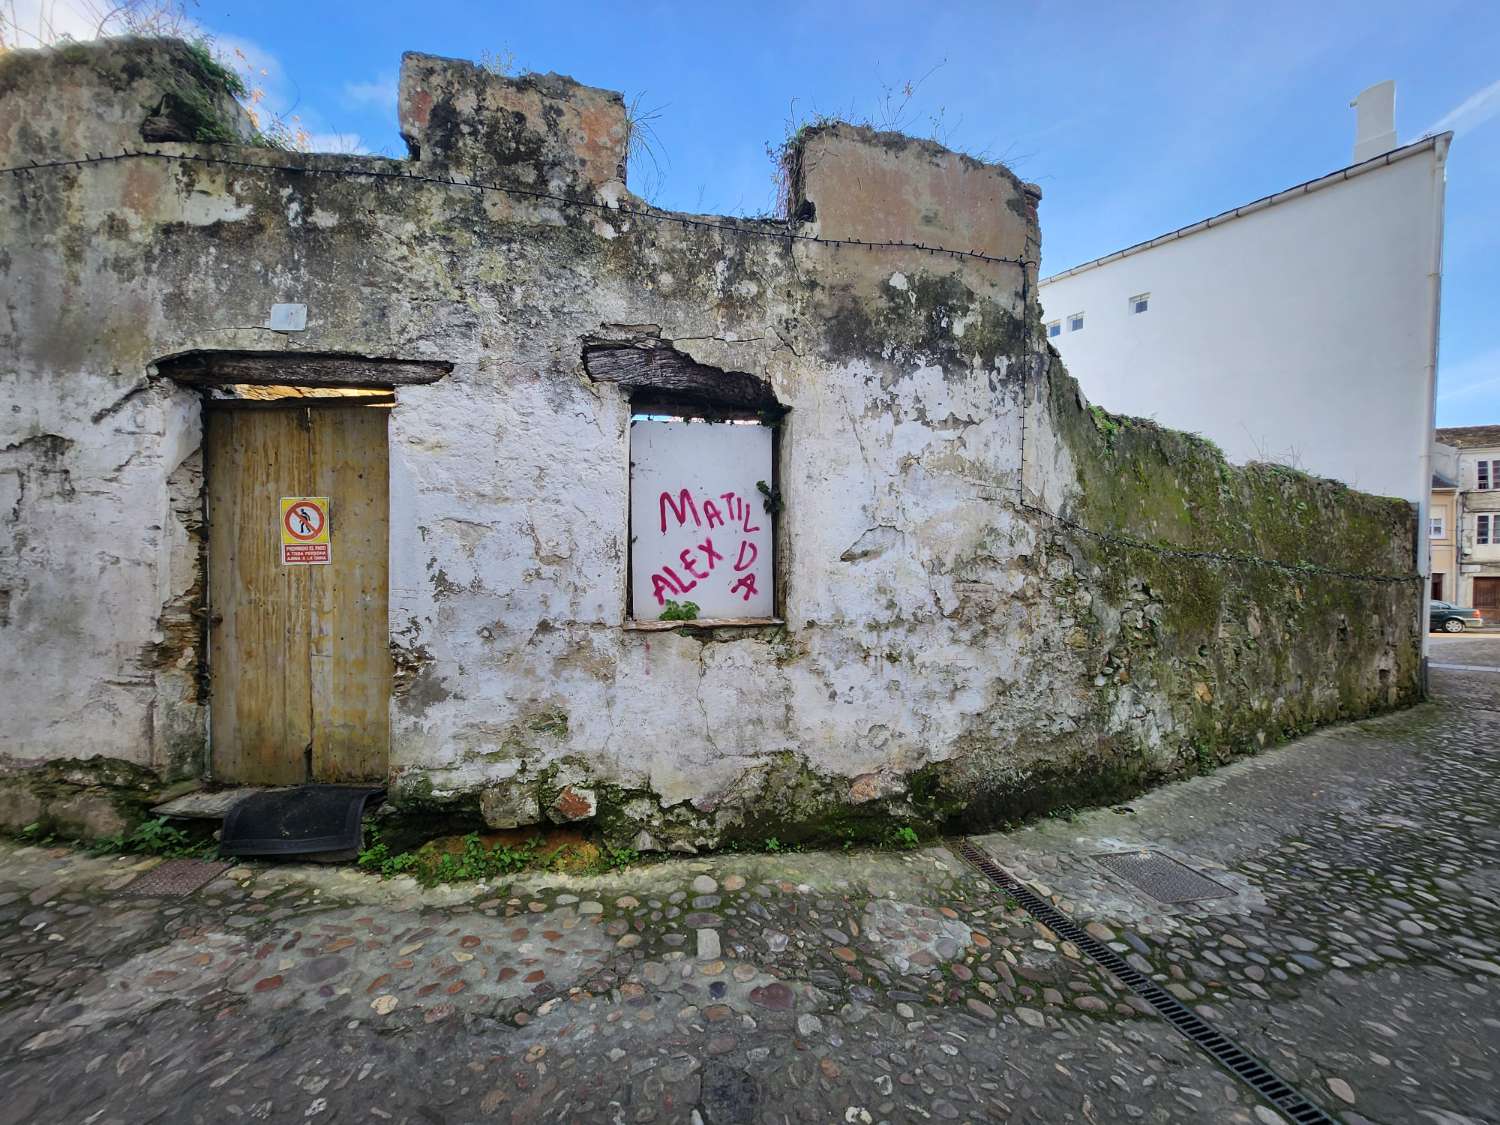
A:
304, 530
305, 520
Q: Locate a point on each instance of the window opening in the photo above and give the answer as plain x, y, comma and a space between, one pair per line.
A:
703, 503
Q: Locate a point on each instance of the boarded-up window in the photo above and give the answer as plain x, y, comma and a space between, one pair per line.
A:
700, 530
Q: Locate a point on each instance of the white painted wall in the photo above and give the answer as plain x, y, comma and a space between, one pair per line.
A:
1446, 460
1303, 332
1467, 469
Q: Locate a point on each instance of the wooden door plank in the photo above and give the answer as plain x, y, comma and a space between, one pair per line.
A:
295, 477
260, 709
350, 631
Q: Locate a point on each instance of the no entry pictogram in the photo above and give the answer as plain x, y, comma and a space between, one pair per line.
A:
304, 520
304, 530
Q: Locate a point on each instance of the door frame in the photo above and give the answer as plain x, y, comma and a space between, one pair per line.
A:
210, 370
1486, 582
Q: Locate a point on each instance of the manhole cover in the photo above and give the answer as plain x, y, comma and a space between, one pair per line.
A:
1162, 877
176, 877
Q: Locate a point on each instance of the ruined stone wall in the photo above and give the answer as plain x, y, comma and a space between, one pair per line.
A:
949, 649
1216, 609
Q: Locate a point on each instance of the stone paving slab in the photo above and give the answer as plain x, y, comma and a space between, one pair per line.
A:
211, 804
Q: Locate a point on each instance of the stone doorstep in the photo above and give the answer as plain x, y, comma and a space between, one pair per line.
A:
211, 804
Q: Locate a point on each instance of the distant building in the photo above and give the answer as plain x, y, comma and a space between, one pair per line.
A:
1301, 328
1442, 523
1476, 517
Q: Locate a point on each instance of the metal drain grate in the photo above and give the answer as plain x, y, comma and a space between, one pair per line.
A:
1239, 1062
176, 877
1162, 877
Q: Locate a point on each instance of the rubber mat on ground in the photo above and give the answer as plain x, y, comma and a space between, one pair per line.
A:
303, 821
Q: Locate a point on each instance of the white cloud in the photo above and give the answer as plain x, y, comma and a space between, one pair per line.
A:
274, 98
36, 23
1472, 112
272, 95
379, 94
1476, 375
335, 142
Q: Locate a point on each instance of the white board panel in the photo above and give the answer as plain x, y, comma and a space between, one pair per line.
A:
699, 527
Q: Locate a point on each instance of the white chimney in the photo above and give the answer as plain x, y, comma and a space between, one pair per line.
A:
1374, 121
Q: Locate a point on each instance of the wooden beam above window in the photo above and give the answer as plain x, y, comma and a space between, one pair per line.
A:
659, 372
302, 369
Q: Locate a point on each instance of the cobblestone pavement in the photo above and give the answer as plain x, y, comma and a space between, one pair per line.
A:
1359, 955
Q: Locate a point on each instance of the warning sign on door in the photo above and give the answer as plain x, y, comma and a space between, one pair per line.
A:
304, 530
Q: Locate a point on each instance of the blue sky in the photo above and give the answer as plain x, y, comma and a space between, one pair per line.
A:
1135, 119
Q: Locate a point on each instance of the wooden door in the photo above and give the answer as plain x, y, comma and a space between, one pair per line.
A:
299, 655
1487, 595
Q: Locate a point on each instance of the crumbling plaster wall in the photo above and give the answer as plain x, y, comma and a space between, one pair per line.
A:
94, 100
947, 649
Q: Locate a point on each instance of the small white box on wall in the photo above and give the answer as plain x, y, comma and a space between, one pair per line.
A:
288, 318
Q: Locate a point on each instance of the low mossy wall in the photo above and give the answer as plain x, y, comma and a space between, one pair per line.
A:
1228, 607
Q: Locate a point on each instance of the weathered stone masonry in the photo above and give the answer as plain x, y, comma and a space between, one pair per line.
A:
950, 651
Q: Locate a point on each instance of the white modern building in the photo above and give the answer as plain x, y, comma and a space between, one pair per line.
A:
1301, 328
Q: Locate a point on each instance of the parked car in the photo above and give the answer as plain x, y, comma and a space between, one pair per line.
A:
1450, 618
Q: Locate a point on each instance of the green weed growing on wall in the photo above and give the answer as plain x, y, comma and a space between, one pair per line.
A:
679, 611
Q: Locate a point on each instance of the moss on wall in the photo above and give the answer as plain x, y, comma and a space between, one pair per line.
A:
953, 657
914, 324
1250, 603
1138, 479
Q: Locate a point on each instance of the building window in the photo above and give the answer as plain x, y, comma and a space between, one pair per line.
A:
1140, 303
1075, 322
1436, 525
1054, 329
1437, 585
1482, 530
701, 514
1485, 477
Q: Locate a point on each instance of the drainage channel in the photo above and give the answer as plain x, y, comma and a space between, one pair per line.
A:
1239, 1062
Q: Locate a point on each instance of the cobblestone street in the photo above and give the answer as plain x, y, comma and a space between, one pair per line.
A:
1359, 956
